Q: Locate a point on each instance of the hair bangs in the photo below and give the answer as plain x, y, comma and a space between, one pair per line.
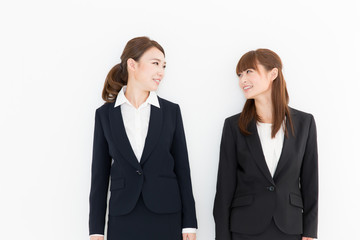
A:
247, 61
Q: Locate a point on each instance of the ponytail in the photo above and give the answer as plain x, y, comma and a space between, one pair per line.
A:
115, 80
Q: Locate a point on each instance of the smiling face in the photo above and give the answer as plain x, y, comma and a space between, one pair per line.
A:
148, 71
257, 82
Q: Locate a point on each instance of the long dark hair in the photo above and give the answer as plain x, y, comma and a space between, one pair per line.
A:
279, 93
118, 75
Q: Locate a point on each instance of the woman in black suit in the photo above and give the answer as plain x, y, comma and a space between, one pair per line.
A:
267, 185
139, 144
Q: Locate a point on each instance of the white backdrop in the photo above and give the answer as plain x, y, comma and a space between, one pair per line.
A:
54, 56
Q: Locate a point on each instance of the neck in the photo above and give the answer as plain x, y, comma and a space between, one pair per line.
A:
136, 95
264, 109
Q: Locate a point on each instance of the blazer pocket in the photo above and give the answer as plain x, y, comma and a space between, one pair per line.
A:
242, 201
296, 200
167, 176
117, 183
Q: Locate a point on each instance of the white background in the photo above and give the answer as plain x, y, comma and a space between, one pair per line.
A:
54, 56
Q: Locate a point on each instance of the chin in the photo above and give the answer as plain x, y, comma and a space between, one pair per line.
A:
150, 87
249, 97
153, 88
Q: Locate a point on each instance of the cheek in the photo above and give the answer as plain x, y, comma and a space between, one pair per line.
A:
145, 72
144, 69
269, 84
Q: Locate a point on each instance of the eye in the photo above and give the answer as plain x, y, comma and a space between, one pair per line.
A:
239, 74
156, 63
248, 71
164, 66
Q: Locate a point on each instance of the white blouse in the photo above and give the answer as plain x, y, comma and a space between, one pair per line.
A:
271, 147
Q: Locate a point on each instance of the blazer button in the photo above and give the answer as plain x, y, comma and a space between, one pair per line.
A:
139, 172
271, 188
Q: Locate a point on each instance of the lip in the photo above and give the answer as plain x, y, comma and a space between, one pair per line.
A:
157, 80
247, 87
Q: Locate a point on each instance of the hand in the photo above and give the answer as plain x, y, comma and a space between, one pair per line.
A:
188, 236
306, 238
96, 237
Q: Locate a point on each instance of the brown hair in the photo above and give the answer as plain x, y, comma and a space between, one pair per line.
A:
279, 93
118, 75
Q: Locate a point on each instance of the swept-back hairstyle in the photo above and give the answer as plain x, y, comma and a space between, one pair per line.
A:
279, 93
118, 75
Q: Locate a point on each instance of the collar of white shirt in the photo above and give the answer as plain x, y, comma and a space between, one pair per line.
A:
121, 99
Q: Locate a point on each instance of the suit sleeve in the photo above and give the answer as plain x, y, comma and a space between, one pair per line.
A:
182, 171
100, 171
309, 184
226, 184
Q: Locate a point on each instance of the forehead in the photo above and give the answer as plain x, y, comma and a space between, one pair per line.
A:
153, 53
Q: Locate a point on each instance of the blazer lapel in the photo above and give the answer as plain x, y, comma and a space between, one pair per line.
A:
119, 134
154, 131
254, 145
288, 147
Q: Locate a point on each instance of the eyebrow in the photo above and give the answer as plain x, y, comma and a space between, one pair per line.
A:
157, 60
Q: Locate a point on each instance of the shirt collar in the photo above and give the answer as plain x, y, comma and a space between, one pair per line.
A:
121, 99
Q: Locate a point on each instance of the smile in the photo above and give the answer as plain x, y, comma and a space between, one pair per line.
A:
157, 81
247, 87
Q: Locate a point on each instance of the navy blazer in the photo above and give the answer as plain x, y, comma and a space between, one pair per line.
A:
248, 197
162, 176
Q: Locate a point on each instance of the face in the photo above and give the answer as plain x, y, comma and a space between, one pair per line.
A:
257, 83
148, 71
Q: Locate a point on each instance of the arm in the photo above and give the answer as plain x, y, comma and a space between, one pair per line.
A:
182, 171
309, 184
100, 171
226, 184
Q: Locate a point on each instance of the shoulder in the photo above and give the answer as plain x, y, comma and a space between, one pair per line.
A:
233, 120
301, 115
168, 107
302, 120
104, 109
167, 104
231, 123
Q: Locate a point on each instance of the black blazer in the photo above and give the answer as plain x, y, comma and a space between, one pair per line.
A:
162, 176
247, 197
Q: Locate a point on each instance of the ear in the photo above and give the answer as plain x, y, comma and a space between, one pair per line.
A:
131, 63
274, 73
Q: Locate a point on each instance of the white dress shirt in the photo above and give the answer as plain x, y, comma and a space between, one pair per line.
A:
136, 123
271, 147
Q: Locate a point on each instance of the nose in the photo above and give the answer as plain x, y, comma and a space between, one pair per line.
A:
243, 79
161, 72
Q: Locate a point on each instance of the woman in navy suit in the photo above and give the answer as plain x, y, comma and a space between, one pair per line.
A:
267, 185
139, 147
